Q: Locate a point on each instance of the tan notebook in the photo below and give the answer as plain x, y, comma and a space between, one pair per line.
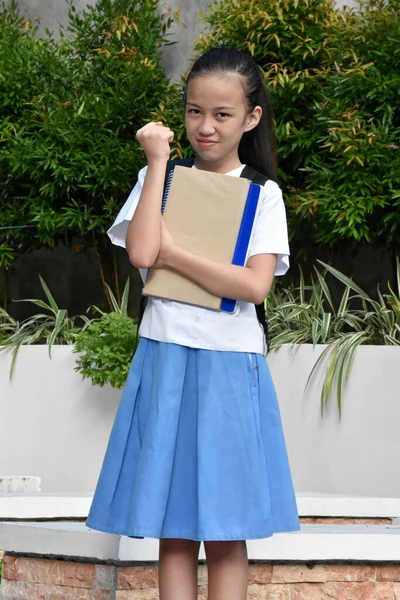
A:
210, 215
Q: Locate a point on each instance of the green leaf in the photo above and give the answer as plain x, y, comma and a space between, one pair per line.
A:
49, 296
344, 279
60, 321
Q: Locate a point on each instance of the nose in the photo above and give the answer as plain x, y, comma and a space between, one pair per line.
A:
206, 127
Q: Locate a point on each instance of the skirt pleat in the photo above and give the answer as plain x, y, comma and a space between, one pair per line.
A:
196, 451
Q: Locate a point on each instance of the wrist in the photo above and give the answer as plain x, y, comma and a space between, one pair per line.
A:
172, 255
157, 162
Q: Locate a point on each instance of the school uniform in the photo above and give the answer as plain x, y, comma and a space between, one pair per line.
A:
197, 449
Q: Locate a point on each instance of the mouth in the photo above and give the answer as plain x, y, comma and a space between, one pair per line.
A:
206, 143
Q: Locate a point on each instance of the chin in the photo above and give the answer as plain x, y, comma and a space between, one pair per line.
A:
207, 156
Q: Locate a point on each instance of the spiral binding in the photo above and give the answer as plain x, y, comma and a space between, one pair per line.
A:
166, 192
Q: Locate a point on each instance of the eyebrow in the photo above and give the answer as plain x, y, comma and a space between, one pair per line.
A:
216, 108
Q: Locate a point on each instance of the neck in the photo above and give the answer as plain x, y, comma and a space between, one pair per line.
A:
221, 166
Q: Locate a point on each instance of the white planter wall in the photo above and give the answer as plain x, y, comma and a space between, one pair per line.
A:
53, 424
360, 455
56, 426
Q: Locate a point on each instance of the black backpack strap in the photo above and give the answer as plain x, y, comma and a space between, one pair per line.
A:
262, 319
254, 176
179, 162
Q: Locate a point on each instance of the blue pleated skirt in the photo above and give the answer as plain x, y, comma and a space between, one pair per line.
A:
196, 451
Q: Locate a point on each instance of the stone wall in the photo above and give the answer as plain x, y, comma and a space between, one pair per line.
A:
27, 578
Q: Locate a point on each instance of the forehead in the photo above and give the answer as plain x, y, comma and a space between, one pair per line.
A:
216, 90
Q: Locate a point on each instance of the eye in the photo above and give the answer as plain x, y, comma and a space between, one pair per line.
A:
223, 115
193, 111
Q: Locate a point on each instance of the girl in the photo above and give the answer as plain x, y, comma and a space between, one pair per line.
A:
197, 451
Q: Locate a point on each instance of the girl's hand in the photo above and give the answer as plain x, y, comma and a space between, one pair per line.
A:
155, 139
167, 247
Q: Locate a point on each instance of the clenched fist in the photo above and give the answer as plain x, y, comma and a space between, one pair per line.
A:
155, 139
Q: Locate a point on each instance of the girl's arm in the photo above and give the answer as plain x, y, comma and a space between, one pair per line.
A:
250, 283
143, 236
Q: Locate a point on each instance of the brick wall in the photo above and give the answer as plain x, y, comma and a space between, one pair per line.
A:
43, 579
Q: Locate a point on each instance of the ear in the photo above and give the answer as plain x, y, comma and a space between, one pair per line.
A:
253, 118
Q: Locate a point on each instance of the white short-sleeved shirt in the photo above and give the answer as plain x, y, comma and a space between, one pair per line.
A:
196, 327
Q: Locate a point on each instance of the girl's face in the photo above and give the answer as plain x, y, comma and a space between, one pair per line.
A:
217, 116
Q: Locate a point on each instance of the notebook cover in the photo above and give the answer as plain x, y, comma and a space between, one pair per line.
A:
205, 213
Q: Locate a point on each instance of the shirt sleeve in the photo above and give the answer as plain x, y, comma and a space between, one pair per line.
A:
118, 230
270, 234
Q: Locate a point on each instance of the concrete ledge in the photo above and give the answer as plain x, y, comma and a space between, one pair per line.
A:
76, 506
44, 506
322, 543
58, 539
329, 505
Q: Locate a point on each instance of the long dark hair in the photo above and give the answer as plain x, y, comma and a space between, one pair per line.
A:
257, 147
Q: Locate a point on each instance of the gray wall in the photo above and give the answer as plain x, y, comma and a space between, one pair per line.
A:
52, 13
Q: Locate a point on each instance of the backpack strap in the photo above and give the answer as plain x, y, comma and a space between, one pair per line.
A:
254, 176
260, 179
179, 162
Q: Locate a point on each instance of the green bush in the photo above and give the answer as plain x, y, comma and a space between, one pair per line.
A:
70, 111
334, 76
106, 349
107, 345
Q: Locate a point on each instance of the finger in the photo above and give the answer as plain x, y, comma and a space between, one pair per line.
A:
167, 134
148, 126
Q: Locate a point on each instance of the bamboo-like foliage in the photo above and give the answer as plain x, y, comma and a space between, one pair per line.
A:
70, 106
333, 76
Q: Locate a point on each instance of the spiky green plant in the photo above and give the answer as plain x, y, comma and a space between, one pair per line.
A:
51, 327
307, 314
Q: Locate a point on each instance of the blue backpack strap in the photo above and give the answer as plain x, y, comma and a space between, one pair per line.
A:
259, 179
